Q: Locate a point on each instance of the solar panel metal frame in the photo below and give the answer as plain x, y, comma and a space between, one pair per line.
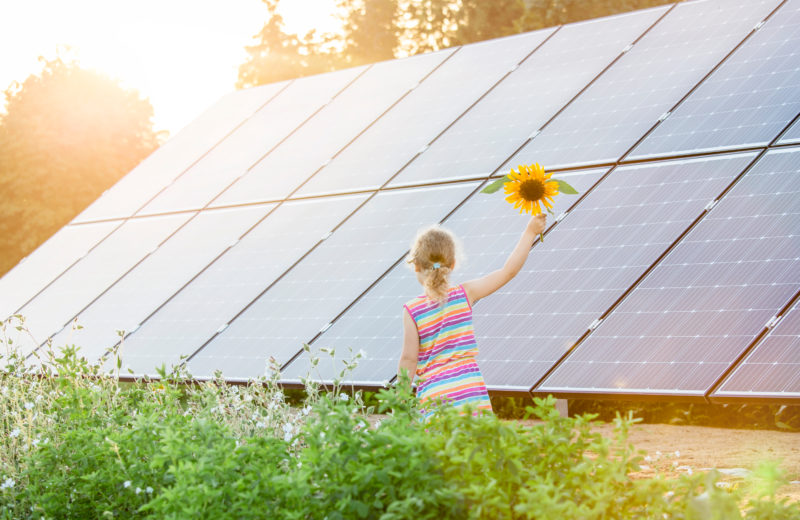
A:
639, 150
277, 294
539, 387
536, 148
97, 210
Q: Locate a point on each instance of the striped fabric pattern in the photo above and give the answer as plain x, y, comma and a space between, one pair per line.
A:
446, 366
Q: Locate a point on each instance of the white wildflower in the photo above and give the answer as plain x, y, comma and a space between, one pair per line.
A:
677, 453
299, 464
148, 490
344, 397
287, 437
138, 490
260, 424
362, 354
378, 423
36, 442
14, 433
287, 428
306, 410
126, 484
39, 397
29, 405
648, 458
7, 483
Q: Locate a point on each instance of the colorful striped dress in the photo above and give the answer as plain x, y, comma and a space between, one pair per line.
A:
446, 365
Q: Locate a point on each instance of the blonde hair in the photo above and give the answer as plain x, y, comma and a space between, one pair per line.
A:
433, 254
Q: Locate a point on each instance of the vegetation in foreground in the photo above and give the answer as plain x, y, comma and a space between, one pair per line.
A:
77, 443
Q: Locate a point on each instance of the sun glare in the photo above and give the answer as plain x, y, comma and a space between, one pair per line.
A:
183, 54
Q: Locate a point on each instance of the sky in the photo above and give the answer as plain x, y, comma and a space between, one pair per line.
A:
182, 55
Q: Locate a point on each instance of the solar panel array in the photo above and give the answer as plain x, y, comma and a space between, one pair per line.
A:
282, 216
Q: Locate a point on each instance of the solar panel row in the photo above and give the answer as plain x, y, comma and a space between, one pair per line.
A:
245, 243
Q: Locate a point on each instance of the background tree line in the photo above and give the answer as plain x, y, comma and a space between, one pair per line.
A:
378, 30
68, 133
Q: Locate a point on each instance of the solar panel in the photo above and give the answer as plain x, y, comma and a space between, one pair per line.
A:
176, 155
222, 290
158, 277
792, 135
352, 111
772, 369
48, 261
94, 273
501, 122
628, 99
489, 230
413, 123
589, 260
705, 302
250, 142
321, 286
746, 102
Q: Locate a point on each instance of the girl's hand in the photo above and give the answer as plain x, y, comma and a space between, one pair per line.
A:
537, 223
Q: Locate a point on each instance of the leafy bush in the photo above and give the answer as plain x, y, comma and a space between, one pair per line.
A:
77, 443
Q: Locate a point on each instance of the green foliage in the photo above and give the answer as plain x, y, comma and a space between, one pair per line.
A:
68, 134
77, 443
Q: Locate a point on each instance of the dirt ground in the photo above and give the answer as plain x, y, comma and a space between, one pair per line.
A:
673, 450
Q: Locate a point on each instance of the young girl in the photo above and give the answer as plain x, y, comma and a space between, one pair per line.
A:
438, 340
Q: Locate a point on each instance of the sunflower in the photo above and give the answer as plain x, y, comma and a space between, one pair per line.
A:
530, 189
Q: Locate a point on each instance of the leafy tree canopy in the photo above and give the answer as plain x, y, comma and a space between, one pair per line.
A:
68, 134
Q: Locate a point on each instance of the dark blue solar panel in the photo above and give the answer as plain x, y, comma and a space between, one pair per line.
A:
705, 302
488, 227
48, 261
628, 99
94, 273
416, 121
177, 154
315, 291
772, 369
501, 122
746, 102
189, 319
158, 277
315, 144
250, 142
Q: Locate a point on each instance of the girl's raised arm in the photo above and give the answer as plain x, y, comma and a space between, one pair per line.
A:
486, 285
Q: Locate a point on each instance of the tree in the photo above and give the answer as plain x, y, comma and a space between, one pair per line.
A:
371, 31
279, 56
68, 134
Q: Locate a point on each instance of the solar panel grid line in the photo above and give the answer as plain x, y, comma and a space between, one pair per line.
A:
275, 281
217, 277
407, 136
199, 158
594, 325
337, 271
639, 149
382, 276
128, 296
110, 286
371, 308
122, 221
624, 51
290, 195
544, 66
19, 307
52, 310
274, 123
716, 394
614, 112
779, 164
285, 138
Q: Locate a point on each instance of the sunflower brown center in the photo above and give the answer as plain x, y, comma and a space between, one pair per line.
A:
532, 189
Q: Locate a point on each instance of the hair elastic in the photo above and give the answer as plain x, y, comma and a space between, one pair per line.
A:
437, 265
